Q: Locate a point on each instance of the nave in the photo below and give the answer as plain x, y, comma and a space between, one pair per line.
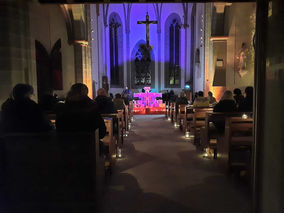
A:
161, 171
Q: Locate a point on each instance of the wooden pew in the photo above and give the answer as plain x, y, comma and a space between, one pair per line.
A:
188, 117
130, 110
51, 167
166, 109
126, 118
182, 116
234, 147
111, 138
52, 118
121, 125
198, 122
169, 110
208, 133
173, 112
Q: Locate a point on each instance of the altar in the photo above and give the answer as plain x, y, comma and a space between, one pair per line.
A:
148, 102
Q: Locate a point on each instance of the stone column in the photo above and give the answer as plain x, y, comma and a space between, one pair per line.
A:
128, 60
160, 80
82, 51
78, 54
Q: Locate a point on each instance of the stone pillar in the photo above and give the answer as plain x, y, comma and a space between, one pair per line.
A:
82, 51
160, 80
269, 104
78, 54
128, 60
207, 48
15, 48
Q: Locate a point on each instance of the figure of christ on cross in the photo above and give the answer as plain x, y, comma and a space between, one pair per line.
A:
147, 22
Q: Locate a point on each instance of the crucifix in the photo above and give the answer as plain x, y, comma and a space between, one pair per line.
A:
147, 22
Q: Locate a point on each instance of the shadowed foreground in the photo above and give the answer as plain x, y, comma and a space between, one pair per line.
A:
161, 172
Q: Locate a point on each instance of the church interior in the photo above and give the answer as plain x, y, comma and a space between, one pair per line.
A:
141, 106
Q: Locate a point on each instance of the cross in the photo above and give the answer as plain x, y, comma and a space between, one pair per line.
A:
147, 22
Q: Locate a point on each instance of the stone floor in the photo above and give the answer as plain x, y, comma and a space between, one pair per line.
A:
162, 172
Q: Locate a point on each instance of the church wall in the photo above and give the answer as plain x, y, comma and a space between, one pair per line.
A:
15, 51
238, 27
187, 32
137, 34
47, 25
240, 23
169, 9
95, 49
101, 45
118, 10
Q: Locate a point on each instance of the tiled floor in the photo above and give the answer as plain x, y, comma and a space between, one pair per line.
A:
162, 172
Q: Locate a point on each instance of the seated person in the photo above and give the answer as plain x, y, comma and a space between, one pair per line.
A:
21, 114
181, 100
247, 104
238, 96
118, 102
172, 96
226, 104
195, 96
105, 104
111, 96
125, 97
201, 101
79, 113
211, 99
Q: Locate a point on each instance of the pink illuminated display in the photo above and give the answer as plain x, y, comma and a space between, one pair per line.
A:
147, 103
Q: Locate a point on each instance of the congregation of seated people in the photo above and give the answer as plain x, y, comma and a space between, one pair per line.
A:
19, 113
230, 102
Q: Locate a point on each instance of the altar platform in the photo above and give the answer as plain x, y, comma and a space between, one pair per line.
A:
148, 103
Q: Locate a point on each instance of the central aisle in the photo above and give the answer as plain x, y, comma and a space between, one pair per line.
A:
161, 172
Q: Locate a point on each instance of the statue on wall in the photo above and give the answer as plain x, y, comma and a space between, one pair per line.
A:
241, 61
142, 65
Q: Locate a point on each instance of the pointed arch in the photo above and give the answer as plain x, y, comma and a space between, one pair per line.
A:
116, 50
173, 51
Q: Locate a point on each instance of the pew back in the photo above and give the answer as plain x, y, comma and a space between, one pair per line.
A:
181, 115
49, 167
110, 139
234, 148
198, 122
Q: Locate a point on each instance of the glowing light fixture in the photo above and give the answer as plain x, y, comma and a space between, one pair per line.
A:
244, 116
209, 153
119, 152
187, 134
